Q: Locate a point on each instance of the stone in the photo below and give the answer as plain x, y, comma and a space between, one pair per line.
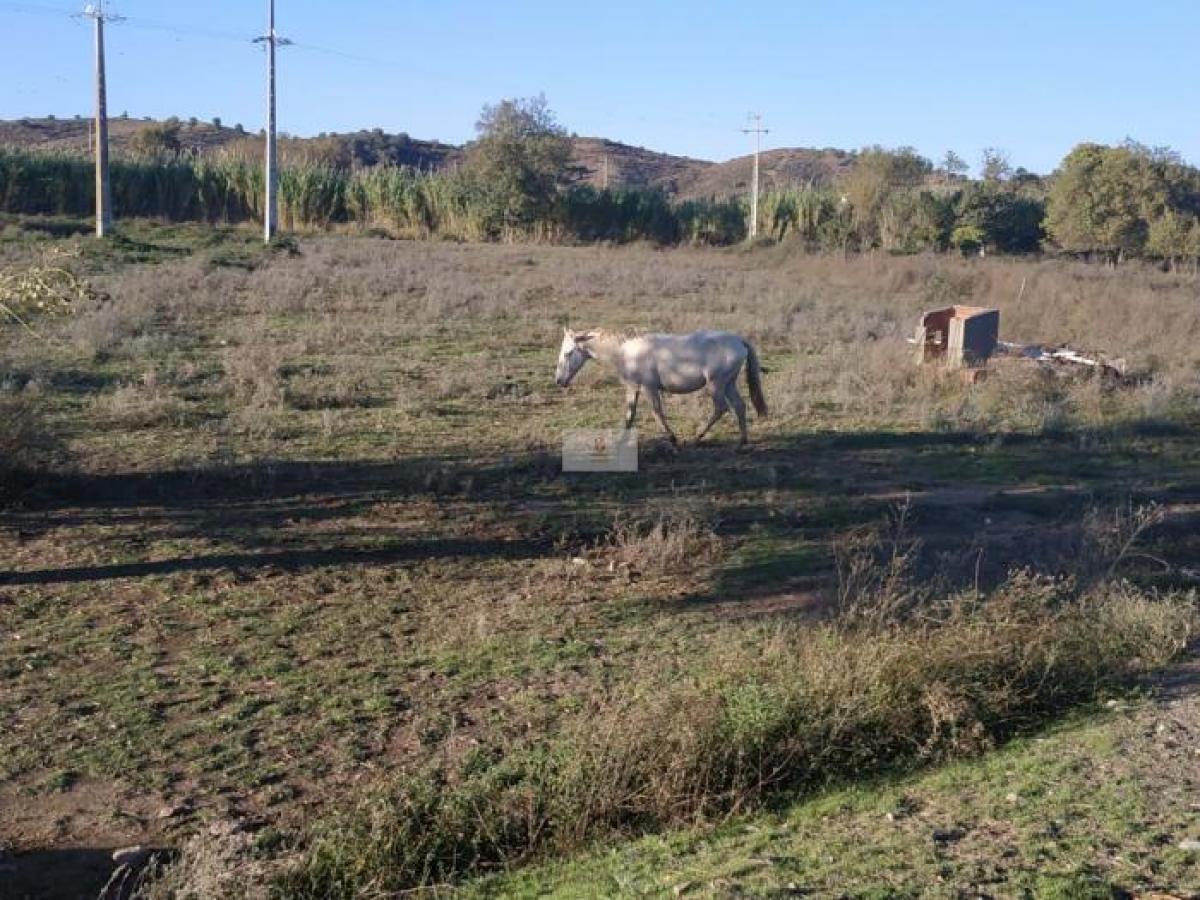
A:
947, 835
224, 827
1190, 844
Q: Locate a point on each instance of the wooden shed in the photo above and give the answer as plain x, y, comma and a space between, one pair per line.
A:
958, 335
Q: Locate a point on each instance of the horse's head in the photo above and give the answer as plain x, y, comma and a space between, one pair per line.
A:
572, 354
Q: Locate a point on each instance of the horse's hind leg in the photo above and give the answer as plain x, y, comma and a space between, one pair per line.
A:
739, 408
656, 404
631, 400
720, 406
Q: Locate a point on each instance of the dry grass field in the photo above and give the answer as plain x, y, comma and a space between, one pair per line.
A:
290, 576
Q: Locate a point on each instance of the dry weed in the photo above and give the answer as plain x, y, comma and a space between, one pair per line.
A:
26, 443
672, 543
144, 403
206, 868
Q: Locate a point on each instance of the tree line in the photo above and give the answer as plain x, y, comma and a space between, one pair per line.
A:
516, 181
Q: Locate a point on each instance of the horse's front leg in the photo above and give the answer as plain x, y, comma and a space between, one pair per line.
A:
632, 392
656, 404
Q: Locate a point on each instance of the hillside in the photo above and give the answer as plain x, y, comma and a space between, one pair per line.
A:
634, 166
75, 134
362, 148
778, 168
628, 166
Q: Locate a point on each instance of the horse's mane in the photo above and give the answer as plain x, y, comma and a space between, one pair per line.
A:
617, 336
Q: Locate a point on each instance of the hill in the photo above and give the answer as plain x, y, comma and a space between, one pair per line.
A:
682, 177
75, 134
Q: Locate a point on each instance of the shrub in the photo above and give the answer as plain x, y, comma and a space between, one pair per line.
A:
671, 543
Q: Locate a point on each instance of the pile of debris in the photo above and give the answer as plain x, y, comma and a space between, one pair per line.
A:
1064, 357
966, 337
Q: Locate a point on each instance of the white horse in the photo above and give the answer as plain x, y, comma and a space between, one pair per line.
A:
674, 363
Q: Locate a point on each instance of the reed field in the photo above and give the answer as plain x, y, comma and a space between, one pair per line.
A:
404, 201
294, 589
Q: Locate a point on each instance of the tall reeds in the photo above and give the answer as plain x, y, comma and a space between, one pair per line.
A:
402, 200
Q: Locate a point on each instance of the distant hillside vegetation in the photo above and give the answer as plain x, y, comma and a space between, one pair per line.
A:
75, 134
681, 177
687, 178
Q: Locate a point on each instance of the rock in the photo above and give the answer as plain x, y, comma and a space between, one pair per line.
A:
224, 827
948, 835
682, 888
1012, 797
131, 856
172, 810
1190, 844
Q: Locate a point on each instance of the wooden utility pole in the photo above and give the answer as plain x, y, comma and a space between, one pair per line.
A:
758, 131
270, 206
95, 12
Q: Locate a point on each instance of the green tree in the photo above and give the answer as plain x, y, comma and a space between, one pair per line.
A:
995, 165
157, 140
913, 220
519, 161
1098, 201
876, 174
967, 239
954, 165
1170, 236
994, 216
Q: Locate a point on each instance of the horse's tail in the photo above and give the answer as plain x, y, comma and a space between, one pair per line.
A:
754, 380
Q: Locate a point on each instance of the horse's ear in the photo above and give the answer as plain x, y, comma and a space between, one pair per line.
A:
567, 331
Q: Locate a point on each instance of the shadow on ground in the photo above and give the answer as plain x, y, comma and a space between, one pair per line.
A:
68, 874
977, 505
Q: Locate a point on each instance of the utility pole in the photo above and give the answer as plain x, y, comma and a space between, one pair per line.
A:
758, 131
270, 207
95, 12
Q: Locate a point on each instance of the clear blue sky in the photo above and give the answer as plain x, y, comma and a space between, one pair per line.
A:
1032, 78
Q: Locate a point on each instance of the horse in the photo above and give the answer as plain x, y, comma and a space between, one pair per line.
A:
671, 363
